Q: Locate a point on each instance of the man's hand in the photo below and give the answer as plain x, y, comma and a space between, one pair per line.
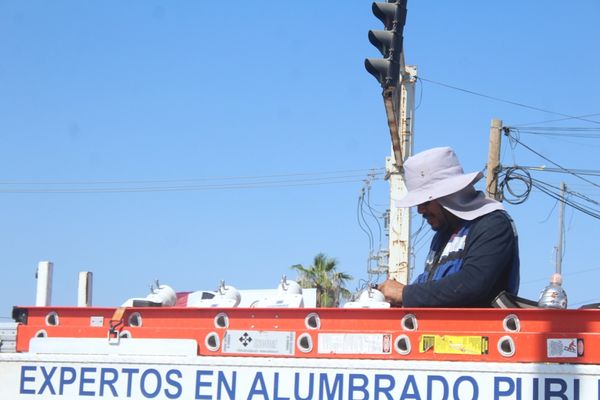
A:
392, 290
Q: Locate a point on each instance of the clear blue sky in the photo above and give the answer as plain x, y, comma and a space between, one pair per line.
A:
144, 101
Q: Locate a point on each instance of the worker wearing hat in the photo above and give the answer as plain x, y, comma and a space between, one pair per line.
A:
474, 253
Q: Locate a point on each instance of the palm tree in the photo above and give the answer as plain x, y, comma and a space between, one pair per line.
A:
323, 276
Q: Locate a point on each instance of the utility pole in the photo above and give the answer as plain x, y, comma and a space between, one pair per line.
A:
493, 164
398, 83
399, 247
561, 228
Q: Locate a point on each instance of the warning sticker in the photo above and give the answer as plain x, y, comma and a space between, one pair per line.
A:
355, 343
444, 344
564, 348
259, 342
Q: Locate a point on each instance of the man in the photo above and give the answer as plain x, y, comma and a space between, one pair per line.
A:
474, 253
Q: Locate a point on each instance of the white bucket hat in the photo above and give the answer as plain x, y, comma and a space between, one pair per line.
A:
432, 174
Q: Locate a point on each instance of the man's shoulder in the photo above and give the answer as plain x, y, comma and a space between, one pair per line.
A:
496, 215
498, 219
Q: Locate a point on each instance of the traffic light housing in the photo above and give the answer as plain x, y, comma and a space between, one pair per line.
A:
388, 41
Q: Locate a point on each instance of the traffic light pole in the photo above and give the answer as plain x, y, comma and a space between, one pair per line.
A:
398, 84
399, 244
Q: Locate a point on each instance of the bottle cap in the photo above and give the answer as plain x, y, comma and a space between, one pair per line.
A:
556, 279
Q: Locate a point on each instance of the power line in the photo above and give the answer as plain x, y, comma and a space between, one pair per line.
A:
263, 185
372, 213
578, 133
521, 175
515, 174
245, 183
508, 101
543, 168
566, 274
558, 120
360, 172
507, 132
544, 187
555, 129
362, 223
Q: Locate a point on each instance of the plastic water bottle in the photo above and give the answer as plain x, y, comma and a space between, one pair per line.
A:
553, 295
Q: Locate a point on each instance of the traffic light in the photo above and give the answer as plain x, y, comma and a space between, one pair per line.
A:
389, 42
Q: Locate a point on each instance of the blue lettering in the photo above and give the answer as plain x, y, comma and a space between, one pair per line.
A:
311, 386
576, 389
83, 380
200, 384
108, 382
47, 380
410, 384
442, 380
156, 391
384, 389
535, 394
25, 379
276, 389
473, 383
324, 387
358, 387
63, 378
174, 383
560, 392
258, 381
129, 372
510, 387
222, 383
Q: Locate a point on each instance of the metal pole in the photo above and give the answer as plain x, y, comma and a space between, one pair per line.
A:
561, 228
399, 226
491, 182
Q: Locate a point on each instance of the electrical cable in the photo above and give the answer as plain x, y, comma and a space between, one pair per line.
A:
257, 184
543, 187
591, 172
549, 129
420, 95
550, 212
356, 173
558, 120
372, 213
362, 223
507, 132
561, 134
514, 174
263, 185
518, 174
566, 274
507, 101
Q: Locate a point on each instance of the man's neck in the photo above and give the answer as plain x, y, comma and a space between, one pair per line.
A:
454, 222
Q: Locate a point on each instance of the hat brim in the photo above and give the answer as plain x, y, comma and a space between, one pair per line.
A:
439, 189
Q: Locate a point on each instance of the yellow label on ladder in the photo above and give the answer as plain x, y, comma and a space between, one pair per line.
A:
444, 344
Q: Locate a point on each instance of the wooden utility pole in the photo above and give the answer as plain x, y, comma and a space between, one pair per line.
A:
561, 229
493, 164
